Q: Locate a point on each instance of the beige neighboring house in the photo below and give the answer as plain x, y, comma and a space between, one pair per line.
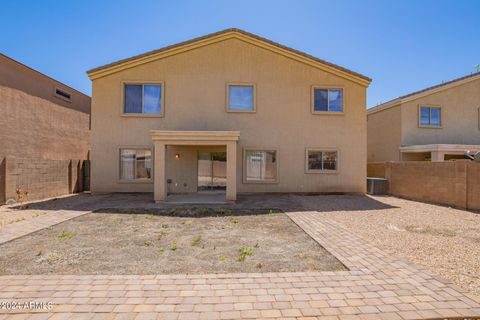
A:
438, 123
41, 118
228, 111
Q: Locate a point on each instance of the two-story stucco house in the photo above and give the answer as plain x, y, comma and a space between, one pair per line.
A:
228, 111
437, 123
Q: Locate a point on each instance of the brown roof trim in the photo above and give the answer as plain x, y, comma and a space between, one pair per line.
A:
42, 74
306, 55
378, 106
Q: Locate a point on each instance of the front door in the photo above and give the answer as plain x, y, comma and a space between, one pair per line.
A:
212, 171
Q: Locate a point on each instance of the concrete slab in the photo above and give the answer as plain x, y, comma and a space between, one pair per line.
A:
197, 198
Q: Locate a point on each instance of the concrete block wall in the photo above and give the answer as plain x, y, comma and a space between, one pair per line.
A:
473, 185
2, 181
40, 178
376, 169
452, 183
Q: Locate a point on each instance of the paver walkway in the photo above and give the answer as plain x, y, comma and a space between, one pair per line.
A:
377, 286
21, 228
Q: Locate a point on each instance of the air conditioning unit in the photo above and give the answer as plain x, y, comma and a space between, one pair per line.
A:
377, 186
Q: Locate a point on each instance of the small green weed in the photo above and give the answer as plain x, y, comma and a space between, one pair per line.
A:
233, 220
173, 246
244, 252
165, 225
147, 243
197, 241
162, 249
162, 234
221, 258
39, 253
65, 234
150, 216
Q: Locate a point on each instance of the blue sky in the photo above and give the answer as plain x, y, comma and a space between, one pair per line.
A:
402, 45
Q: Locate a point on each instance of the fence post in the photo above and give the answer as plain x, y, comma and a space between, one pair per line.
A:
388, 175
3, 172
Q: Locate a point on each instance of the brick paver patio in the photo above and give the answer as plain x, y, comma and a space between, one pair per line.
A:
378, 286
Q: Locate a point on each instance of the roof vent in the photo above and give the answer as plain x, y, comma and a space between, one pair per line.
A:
63, 94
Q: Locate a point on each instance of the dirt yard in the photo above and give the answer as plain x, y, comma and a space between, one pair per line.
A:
445, 240
170, 241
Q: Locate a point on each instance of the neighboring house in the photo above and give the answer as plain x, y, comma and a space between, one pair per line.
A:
438, 123
278, 119
41, 118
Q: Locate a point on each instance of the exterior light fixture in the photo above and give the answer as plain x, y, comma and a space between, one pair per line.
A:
177, 156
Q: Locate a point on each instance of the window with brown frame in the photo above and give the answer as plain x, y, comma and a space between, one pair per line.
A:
318, 160
135, 164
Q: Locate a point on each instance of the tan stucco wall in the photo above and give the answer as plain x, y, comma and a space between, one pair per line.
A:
36, 124
195, 89
32, 127
398, 126
384, 135
459, 117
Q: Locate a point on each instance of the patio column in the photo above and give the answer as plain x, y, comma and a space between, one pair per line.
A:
159, 180
231, 194
437, 156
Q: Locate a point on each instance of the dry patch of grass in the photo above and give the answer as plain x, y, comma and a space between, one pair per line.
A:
193, 240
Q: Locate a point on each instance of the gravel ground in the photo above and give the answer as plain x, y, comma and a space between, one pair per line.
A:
135, 243
445, 240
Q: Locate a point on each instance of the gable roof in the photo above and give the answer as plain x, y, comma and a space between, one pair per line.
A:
221, 36
424, 92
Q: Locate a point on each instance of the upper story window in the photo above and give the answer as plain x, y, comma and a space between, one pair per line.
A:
327, 100
240, 98
143, 99
430, 116
62, 94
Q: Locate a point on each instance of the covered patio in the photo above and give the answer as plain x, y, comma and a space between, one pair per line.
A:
436, 152
164, 138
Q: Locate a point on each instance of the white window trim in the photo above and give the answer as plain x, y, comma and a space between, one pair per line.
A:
123, 181
245, 181
327, 87
307, 170
143, 115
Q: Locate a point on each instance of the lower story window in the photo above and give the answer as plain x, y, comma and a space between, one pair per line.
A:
260, 166
135, 164
322, 161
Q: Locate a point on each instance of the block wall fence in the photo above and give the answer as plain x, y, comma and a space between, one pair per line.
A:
40, 178
452, 183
